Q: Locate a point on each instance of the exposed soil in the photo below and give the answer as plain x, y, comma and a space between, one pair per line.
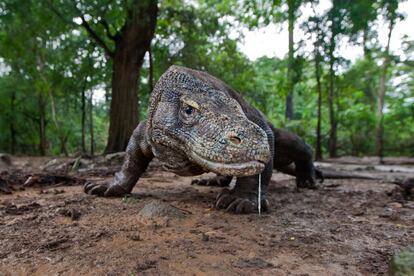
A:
347, 227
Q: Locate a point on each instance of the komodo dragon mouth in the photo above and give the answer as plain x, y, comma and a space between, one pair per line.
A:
234, 169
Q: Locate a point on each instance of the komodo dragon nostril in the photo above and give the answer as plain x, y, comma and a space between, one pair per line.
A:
234, 139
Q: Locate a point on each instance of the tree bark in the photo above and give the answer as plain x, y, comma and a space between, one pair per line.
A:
381, 98
92, 141
83, 119
368, 89
151, 70
130, 47
331, 99
63, 137
318, 147
289, 114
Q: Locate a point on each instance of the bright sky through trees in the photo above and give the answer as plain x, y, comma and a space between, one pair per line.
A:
272, 40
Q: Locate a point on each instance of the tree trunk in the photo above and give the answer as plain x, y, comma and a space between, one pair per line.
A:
289, 114
368, 89
318, 153
83, 115
12, 127
130, 48
331, 99
92, 142
381, 98
151, 71
42, 125
63, 138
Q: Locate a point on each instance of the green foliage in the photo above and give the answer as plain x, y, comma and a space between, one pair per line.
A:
47, 60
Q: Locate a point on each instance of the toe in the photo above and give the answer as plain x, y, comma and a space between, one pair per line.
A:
233, 205
88, 186
265, 205
97, 190
246, 206
224, 199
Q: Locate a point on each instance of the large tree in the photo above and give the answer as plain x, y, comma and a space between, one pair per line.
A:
124, 31
293, 7
390, 13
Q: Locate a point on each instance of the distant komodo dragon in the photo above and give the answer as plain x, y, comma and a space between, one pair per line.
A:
196, 124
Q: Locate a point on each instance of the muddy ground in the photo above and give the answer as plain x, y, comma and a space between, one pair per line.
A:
347, 227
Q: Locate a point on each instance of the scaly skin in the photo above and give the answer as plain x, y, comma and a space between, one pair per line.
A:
198, 124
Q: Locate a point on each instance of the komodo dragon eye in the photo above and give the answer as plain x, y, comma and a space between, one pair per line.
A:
189, 110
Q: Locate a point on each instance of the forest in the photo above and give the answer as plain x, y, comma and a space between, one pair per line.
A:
207, 186
75, 76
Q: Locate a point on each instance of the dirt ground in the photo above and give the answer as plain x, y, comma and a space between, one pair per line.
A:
346, 227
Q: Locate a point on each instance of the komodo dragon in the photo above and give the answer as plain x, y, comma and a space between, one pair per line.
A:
196, 124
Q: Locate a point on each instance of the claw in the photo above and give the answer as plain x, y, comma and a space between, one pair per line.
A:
104, 189
239, 204
224, 199
233, 206
97, 190
246, 206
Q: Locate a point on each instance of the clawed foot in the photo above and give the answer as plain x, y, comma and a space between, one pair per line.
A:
239, 203
307, 183
104, 189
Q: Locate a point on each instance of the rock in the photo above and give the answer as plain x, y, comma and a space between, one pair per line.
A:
205, 237
51, 163
253, 263
4, 187
134, 237
72, 213
213, 235
402, 263
409, 204
5, 160
394, 205
159, 213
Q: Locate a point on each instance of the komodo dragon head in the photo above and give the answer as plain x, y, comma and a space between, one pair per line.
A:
193, 120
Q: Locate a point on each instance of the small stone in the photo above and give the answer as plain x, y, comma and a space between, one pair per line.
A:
72, 213
159, 213
394, 205
255, 262
134, 237
409, 205
5, 159
205, 237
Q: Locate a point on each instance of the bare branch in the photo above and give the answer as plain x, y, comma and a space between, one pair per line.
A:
105, 24
99, 41
96, 37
